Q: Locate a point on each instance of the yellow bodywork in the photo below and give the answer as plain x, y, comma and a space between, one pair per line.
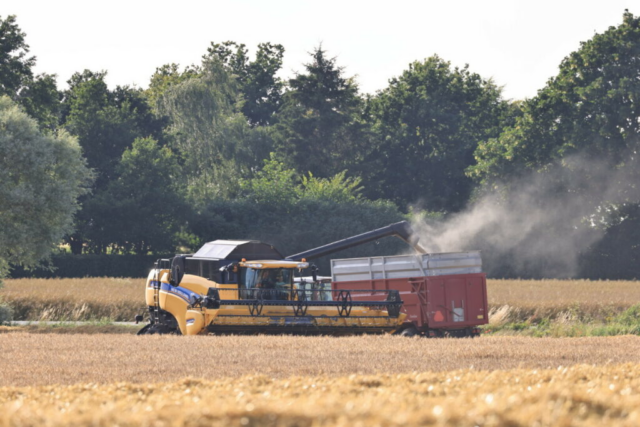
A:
194, 319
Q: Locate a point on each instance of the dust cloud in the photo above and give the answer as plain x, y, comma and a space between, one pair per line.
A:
538, 225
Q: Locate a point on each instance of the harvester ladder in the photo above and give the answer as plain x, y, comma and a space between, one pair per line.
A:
156, 297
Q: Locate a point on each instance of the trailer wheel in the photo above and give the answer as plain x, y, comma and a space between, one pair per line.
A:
409, 332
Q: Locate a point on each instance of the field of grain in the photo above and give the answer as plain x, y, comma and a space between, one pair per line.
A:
42, 359
566, 300
578, 395
105, 380
75, 299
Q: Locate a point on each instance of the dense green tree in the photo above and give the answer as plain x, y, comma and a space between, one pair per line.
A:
164, 77
38, 95
260, 87
41, 99
617, 255
104, 130
41, 178
428, 123
140, 210
276, 184
106, 123
15, 64
320, 126
590, 108
217, 144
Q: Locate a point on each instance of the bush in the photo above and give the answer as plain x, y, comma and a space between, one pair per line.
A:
6, 314
69, 266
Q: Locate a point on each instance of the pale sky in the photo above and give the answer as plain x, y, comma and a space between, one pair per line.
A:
518, 44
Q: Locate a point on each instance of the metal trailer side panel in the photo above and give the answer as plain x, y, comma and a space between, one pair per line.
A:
456, 301
434, 302
406, 266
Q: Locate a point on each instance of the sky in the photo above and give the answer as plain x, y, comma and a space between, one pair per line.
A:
518, 44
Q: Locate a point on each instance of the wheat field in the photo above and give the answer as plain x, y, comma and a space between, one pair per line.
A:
35, 359
578, 300
580, 395
106, 380
114, 299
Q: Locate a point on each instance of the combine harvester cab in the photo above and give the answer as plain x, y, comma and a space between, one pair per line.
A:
444, 294
237, 287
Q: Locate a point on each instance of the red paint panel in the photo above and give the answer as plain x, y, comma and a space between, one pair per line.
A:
436, 302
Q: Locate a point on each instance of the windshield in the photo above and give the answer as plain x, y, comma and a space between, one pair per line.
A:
269, 278
315, 291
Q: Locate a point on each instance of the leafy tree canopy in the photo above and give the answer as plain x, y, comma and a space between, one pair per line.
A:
296, 214
276, 184
258, 83
38, 95
590, 108
41, 178
141, 209
165, 77
427, 124
321, 128
215, 140
15, 64
106, 122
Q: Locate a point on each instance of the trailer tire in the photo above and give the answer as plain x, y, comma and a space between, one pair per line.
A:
409, 332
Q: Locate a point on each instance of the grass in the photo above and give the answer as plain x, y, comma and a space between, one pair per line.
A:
504, 321
45, 359
578, 395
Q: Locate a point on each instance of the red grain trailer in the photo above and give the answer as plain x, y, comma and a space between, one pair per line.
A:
444, 294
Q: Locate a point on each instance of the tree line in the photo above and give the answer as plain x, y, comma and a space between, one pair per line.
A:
226, 148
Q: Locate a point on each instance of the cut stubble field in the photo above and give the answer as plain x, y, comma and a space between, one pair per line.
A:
36, 359
126, 380
121, 379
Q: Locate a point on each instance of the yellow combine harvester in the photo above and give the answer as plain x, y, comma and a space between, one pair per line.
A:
248, 287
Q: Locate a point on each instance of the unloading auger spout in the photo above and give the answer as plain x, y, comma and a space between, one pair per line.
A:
401, 230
